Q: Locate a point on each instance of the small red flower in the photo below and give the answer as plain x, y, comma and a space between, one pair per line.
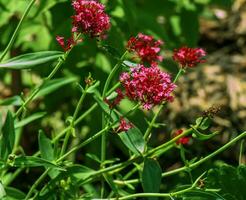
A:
90, 18
189, 57
146, 48
116, 101
66, 45
124, 126
183, 140
147, 85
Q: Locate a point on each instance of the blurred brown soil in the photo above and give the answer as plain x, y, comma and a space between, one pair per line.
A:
222, 80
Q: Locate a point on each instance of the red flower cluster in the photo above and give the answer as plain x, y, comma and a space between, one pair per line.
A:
183, 140
148, 85
124, 126
116, 101
90, 18
146, 48
189, 56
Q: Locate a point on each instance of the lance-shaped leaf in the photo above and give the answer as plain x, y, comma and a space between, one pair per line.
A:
54, 85
151, 177
133, 139
31, 161
29, 119
8, 137
201, 136
14, 101
30, 60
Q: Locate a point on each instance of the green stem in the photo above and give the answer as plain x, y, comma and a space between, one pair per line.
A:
37, 89
11, 42
194, 165
240, 160
37, 182
170, 142
132, 196
112, 73
75, 114
104, 136
95, 136
148, 131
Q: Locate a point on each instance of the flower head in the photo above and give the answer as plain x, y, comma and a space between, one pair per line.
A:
124, 126
183, 140
189, 57
146, 48
148, 85
90, 18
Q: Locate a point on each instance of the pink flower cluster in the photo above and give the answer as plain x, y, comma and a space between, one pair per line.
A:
189, 57
90, 18
146, 48
148, 85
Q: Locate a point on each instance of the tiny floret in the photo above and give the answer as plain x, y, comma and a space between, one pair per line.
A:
189, 57
124, 126
146, 48
90, 18
147, 85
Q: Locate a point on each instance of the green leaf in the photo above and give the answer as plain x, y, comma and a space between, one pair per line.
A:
47, 151
29, 119
133, 139
203, 123
151, 177
45, 147
30, 60
92, 89
93, 157
196, 194
8, 137
2, 191
200, 136
15, 101
105, 107
13, 193
30, 161
230, 180
54, 85
129, 63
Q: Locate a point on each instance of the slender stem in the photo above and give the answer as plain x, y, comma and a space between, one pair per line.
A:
170, 142
240, 160
180, 72
104, 136
112, 73
11, 42
148, 131
37, 89
95, 136
81, 100
38, 181
194, 165
132, 196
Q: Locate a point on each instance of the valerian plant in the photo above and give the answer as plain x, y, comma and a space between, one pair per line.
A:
141, 81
